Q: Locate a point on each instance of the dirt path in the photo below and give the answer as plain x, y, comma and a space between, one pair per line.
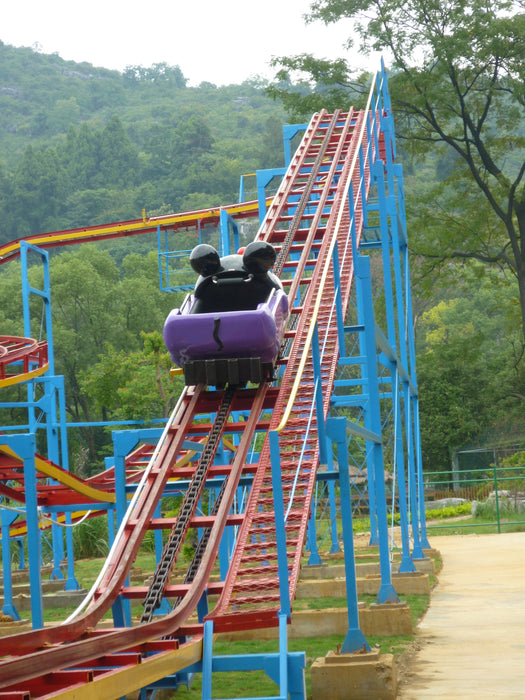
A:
471, 642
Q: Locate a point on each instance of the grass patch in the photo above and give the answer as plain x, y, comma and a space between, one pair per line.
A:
478, 526
254, 684
257, 683
318, 603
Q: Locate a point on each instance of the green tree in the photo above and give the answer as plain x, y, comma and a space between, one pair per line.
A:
133, 385
467, 377
65, 112
158, 74
457, 84
81, 157
83, 302
37, 189
118, 157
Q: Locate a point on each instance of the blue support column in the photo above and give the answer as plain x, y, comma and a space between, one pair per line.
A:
71, 581
25, 447
283, 654
280, 532
355, 639
387, 213
334, 548
394, 206
123, 443
417, 551
49, 407
53, 398
228, 228
386, 591
8, 608
406, 565
415, 456
338, 303
207, 660
58, 453
378, 177
361, 320
314, 558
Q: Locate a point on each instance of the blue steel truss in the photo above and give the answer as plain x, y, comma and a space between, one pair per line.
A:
45, 407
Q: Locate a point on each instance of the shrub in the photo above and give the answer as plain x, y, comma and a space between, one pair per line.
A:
90, 538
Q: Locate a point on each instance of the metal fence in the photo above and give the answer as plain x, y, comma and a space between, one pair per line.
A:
497, 495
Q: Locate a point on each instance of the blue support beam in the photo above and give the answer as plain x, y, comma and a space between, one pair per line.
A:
229, 234
7, 519
355, 639
264, 177
375, 449
282, 560
289, 132
25, 447
284, 668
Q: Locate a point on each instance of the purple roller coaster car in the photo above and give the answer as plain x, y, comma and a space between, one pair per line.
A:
230, 329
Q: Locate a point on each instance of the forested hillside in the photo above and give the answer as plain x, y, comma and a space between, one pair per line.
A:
81, 146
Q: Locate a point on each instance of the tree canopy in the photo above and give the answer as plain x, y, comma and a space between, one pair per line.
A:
467, 375
457, 87
81, 145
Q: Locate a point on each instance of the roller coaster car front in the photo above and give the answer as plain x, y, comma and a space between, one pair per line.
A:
230, 329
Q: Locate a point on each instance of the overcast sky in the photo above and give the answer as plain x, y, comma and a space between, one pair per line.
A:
219, 41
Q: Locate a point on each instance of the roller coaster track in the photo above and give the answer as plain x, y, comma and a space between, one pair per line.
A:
21, 359
309, 222
134, 227
68, 490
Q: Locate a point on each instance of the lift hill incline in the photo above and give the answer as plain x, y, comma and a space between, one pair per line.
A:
307, 222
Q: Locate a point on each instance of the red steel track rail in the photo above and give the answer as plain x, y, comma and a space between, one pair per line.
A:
21, 359
307, 219
251, 592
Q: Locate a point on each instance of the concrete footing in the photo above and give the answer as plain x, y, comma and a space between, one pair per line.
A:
404, 584
385, 620
324, 571
60, 599
360, 676
9, 626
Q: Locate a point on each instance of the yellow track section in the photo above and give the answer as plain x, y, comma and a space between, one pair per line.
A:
144, 225
116, 684
77, 485
64, 478
19, 378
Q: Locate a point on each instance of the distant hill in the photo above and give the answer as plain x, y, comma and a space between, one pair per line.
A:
82, 145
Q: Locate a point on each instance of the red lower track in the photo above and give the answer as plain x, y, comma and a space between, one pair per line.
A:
308, 216
19, 356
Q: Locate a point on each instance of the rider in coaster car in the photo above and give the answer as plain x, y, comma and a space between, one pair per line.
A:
235, 282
